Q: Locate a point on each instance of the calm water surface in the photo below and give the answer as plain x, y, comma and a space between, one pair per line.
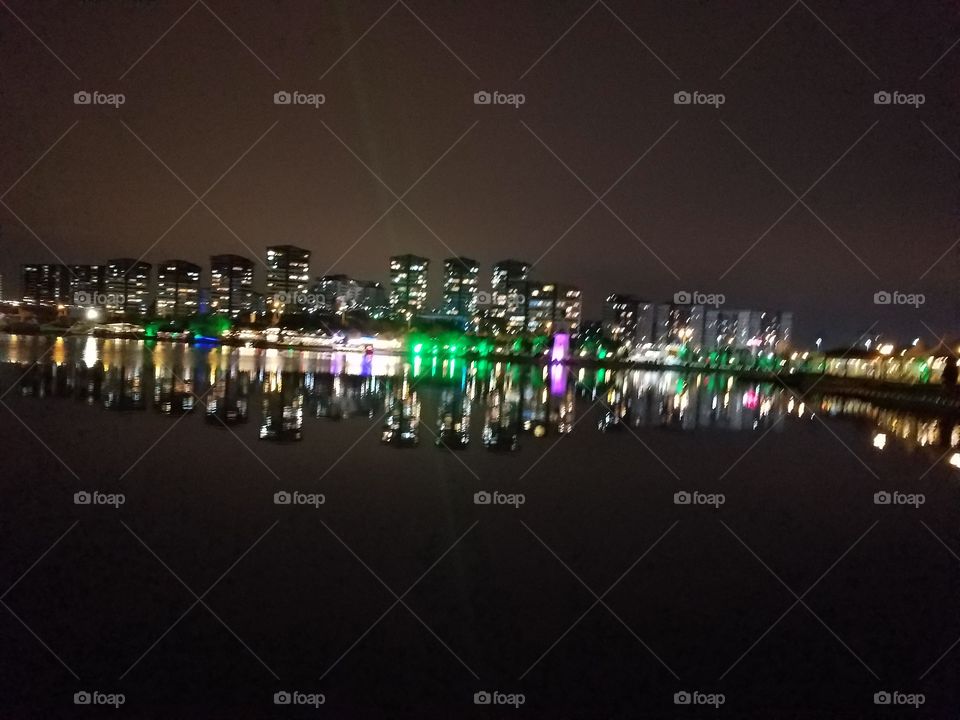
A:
697, 507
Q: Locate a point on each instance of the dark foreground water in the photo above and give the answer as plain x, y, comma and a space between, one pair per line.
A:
263, 523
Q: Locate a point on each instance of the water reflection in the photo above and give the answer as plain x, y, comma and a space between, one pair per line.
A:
402, 420
504, 405
501, 429
282, 406
912, 430
228, 399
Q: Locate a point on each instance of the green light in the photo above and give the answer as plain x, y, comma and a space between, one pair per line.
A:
418, 347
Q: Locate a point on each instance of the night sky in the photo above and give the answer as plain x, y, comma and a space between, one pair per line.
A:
494, 182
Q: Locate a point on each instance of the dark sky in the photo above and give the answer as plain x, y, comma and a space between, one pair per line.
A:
401, 95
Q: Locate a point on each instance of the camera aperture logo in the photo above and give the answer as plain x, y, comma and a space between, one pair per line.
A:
895, 697
95, 97
295, 697
308, 301
95, 497
715, 500
886, 297
295, 97
695, 297
314, 500
883, 497
496, 697
93, 299
696, 697
95, 697
495, 97
895, 97
695, 97
510, 300
496, 497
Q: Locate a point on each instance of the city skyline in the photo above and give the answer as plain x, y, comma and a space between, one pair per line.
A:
701, 188
432, 359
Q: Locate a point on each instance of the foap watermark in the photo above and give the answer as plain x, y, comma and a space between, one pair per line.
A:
498, 498
714, 500
94, 299
483, 97
95, 697
314, 500
684, 97
895, 97
886, 297
695, 297
95, 497
883, 497
295, 697
695, 697
895, 697
509, 300
308, 301
496, 697
295, 97
95, 97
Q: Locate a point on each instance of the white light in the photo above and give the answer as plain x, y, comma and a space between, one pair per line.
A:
880, 441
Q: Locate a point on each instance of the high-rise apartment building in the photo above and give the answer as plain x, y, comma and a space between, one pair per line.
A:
127, 286
543, 308
408, 285
288, 274
460, 275
45, 283
231, 285
178, 288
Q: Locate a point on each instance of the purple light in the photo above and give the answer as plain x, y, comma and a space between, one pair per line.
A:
561, 347
558, 379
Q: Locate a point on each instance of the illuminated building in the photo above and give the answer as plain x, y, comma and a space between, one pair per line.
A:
460, 286
178, 288
372, 298
509, 271
679, 325
408, 285
341, 293
87, 282
337, 292
288, 272
773, 330
231, 285
628, 319
753, 330
543, 308
723, 329
45, 283
128, 286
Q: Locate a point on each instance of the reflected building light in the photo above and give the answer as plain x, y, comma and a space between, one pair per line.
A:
90, 352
